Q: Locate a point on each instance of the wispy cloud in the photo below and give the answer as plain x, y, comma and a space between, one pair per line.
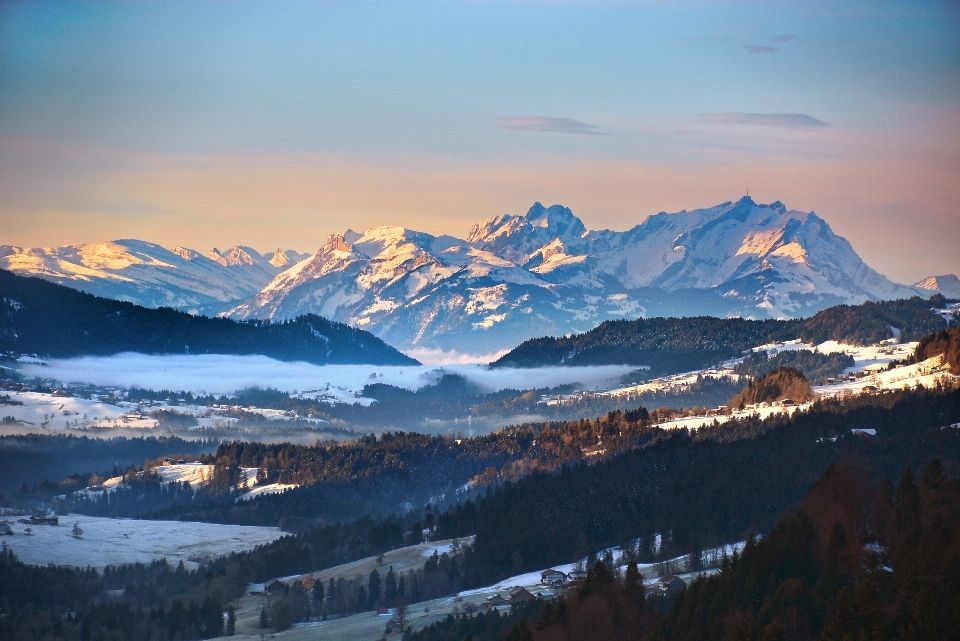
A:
787, 37
781, 121
760, 49
546, 124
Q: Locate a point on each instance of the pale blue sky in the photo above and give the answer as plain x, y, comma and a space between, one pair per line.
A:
277, 123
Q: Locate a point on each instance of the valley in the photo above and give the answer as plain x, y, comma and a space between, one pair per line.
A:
479, 321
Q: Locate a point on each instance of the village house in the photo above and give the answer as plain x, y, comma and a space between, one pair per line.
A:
308, 583
552, 577
670, 584
41, 520
521, 595
272, 586
496, 601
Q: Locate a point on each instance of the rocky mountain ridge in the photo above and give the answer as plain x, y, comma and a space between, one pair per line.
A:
512, 278
515, 277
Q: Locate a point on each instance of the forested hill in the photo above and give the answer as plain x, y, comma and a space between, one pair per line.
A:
670, 345
674, 344
38, 317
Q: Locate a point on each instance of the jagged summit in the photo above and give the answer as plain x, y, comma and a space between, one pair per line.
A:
543, 273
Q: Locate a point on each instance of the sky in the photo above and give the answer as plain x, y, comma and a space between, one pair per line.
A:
274, 124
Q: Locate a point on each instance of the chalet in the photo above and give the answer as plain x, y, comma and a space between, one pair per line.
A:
552, 577
577, 575
497, 601
273, 586
671, 584
787, 402
308, 583
40, 520
521, 595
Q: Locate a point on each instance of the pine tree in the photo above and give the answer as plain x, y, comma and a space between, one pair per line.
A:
373, 587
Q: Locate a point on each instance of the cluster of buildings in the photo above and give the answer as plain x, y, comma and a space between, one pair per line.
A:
556, 579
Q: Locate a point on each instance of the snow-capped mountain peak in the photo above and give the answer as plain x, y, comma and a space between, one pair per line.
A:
146, 273
237, 255
948, 285
514, 277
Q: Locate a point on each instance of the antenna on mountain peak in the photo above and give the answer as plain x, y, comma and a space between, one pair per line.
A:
748, 192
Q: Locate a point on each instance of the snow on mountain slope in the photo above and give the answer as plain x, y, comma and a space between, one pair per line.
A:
283, 258
948, 285
512, 278
516, 277
148, 274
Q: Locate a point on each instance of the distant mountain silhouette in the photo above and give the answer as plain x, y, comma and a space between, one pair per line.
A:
39, 317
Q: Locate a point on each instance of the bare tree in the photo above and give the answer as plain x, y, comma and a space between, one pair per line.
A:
401, 615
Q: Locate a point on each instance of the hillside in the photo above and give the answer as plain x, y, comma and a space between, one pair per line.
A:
670, 345
664, 344
873, 322
778, 385
38, 317
946, 342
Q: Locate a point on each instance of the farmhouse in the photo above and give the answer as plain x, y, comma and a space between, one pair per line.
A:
521, 595
670, 584
274, 587
552, 577
496, 601
41, 520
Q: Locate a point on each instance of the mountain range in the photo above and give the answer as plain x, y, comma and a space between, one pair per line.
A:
512, 278
150, 275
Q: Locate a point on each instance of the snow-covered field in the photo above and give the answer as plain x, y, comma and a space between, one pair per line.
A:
696, 422
531, 580
112, 541
272, 488
56, 413
927, 374
199, 474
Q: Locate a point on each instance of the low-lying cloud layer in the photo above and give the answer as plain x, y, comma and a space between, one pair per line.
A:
779, 120
221, 374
